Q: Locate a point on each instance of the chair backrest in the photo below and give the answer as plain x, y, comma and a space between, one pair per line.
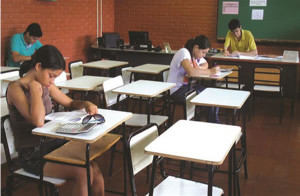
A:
4, 85
108, 86
166, 75
8, 141
267, 76
136, 144
62, 77
4, 108
126, 75
189, 107
75, 69
234, 77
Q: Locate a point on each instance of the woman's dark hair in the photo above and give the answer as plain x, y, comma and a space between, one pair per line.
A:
201, 41
49, 57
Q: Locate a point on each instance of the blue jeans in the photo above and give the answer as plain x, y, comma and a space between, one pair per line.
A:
179, 97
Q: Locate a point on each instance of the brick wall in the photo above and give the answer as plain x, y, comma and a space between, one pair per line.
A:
175, 21
70, 25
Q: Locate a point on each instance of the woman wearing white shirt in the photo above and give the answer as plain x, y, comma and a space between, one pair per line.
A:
189, 61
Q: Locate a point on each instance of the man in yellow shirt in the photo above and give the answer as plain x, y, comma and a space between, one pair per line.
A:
240, 41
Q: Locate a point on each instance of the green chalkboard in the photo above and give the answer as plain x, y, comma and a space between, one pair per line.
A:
281, 20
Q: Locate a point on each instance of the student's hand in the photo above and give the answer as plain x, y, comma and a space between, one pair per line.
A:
214, 70
35, 88
90, 108
235, 52
226, 53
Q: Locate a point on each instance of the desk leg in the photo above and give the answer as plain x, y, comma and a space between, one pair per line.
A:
88, 172
169, 109
230, 172
41, 166
148, 109
151, 187
124, 157
232, 175
211, 169
244, 141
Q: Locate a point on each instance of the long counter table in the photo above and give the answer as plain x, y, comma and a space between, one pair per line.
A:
290, 70
133, 57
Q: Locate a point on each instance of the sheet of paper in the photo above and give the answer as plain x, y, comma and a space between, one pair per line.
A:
258, 2
74, 116
230, 7
247, 57
257, 14
291, 56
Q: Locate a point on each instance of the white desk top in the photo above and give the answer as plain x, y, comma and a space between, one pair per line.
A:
219, 76
10, 79
7, 69
201, 142
112, 120
225, 98
149, 68
104, 64
144, 88
83, 83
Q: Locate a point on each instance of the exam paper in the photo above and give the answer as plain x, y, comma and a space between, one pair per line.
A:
74, 116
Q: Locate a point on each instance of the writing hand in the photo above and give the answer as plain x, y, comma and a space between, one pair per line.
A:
226, 53
235, 53
214, 70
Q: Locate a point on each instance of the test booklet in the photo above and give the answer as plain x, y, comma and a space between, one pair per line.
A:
73, 116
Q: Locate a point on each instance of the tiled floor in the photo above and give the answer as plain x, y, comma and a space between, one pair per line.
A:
273, 158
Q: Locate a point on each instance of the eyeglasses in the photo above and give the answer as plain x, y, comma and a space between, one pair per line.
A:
97, 117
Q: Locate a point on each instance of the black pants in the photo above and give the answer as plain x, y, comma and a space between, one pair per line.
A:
29, 157
179, 97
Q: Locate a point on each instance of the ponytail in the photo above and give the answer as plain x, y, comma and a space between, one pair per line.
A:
26, 66
189, 46
201, 41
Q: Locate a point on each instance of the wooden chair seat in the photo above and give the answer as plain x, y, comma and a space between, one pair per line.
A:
75, 152
266, 88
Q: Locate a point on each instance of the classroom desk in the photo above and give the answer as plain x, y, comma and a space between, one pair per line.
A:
112, 120
212, 78
147, 89
290, 70
82, 83
229, 99
200, 142
104, 65
155, 70
8, 69
10, 79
